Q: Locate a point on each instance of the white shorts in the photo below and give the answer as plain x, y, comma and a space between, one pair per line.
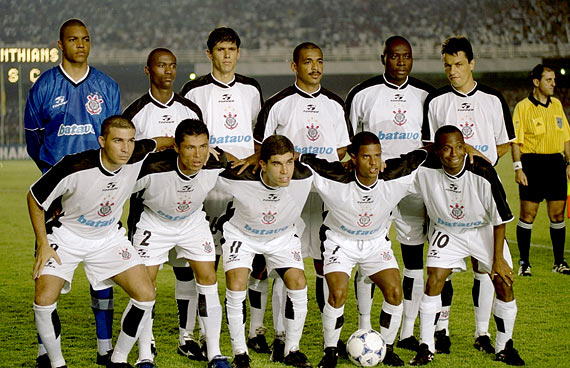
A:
409, 219
215, 206
102, 258
342, 254
194, 242
281, 252
448, 250
312, 216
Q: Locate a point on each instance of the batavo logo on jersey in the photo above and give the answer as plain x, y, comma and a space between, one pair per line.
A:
458, 224
93, 105
95, 223
313, 132
457, 211
183, 206
105, 209
125, 254
230, 139
172, 218
398, 136
268, 217
231, 121
359, 232
314, 149
400, 117
364, 220
467, 129
75, 129
264, 231
207, 246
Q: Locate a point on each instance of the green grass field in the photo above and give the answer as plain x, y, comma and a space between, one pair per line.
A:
541, 332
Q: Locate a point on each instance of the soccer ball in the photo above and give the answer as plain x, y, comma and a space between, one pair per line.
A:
366, 348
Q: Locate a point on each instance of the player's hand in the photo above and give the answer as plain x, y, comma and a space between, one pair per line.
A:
520, 177
212, 151
252, 160
43, 254
472, 152
502, 269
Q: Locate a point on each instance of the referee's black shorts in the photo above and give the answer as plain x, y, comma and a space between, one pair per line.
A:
546, 175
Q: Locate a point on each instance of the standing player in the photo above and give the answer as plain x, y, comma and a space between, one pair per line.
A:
155, 114
267, 207
93, 187
482, 115
391, 106
542, 135
173, 185
355, 231
468, 209
313, 119
230, 103
64, 112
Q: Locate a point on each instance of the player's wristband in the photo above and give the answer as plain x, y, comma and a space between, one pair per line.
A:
517, 165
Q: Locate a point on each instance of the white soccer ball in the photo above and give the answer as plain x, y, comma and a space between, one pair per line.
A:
366, 348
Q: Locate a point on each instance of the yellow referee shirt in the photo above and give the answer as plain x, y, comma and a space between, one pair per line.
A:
540, 128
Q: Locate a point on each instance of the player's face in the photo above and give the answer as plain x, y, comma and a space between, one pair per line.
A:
75, 45
192, 153
162, 70
117, 147
309, 69
451, 152
459, 71
278, 170
367, 163
398, 62
546, 84
224, 57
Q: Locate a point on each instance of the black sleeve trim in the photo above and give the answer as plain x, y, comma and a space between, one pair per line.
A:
137, 105
505, 107
484, 169
189, 104
403, 165
259, 128
426, 137
199, 82
329, 170
252, 82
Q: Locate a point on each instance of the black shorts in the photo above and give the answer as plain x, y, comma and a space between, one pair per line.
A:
546, 175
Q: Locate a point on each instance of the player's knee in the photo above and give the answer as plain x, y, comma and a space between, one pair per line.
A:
295, 279
393, 295
337, 297
44, 299
208, 278
504, 292
434, 284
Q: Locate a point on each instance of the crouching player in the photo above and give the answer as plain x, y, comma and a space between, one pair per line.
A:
266, 207
92, 186
468, 209
355, 233
167, 214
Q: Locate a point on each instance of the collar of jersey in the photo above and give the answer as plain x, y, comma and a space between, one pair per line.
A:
222, 84
182, 175
470, 93
75, 83
308, 95
392, 85
104, 170
537, 102
362, 186
264, 184
160, 104
460, 173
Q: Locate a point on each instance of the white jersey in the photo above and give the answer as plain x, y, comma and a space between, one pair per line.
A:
152, 118
357, 211
167, 198
394, 113
471, 199
92, 197
315, 123
229, 110
265, 212
482, 115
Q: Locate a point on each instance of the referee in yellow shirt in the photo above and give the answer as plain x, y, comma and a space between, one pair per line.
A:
541, 159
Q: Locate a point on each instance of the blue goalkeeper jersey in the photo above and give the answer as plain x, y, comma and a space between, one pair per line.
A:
63, 116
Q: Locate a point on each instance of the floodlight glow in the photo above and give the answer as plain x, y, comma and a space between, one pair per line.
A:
192, 76
563, 71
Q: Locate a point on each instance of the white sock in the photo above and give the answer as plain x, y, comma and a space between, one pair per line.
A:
145, 338
429, 308
278, 298
390, 319
210, 313
258, 291
333, 320
295, 319
49, 329
134, 318
483, 294
413, 291
364, 299
187, 302
505, 316
41, 349
235, 306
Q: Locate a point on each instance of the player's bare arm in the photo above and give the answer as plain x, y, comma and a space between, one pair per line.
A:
44, 252
163, 143
472, 152
500, 265
249, 161
520, 176
502, 149
341, 152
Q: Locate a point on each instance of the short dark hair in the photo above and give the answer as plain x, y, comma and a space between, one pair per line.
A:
115, 121
222, 34
362, 139
445, 129
189, 127
155, 51
73, 22
392, 39
303, 46
453, 45
537, 71
275, 145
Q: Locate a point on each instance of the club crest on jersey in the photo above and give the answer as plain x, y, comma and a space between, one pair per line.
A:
400, 117
467, 129
105, 209
125, 254
93, 105
207, 247
268, 217
386, 256
457, 212
296, 255
231, 121
313, 132
364, 220
183, 206
559, 122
